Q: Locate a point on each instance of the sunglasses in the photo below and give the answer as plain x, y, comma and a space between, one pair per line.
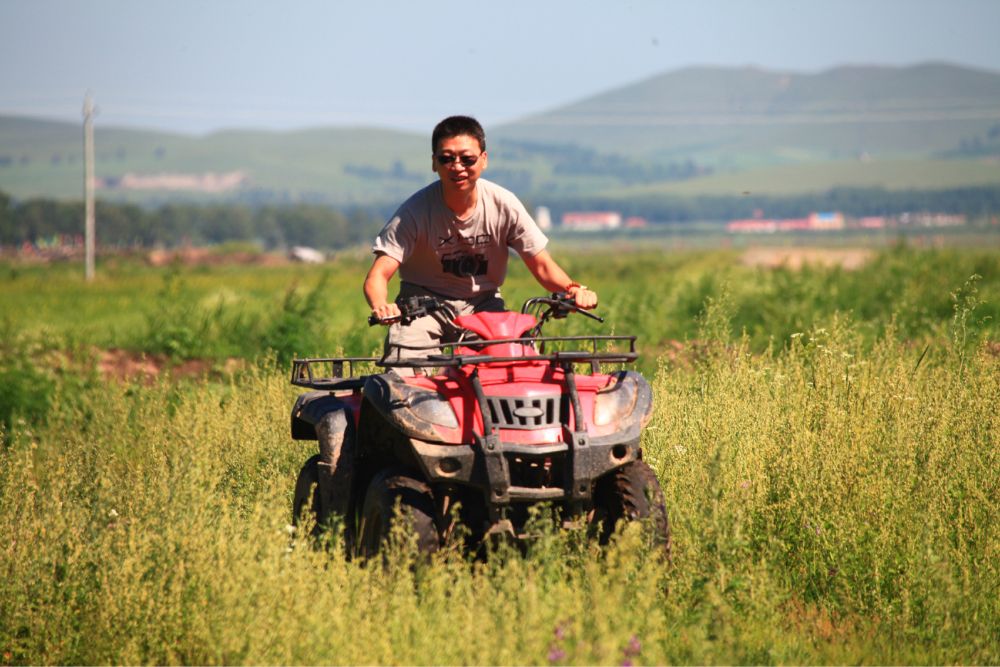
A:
466, 160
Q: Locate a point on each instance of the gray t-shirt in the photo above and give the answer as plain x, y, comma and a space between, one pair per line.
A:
458, 258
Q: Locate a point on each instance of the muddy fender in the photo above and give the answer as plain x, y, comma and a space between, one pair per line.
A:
326, 418
337, 438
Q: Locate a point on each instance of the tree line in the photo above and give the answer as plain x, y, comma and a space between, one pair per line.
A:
321, 226
972, 202
124, 224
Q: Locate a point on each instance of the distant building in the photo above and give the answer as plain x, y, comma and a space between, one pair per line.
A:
591, 221
815, 222
206, 182
543, 217
826, 221
871, 222
635, 222
306, 255
936, 220
752, 226
794, 224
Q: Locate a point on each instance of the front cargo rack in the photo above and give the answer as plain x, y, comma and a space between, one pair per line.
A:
463, 353
328, 372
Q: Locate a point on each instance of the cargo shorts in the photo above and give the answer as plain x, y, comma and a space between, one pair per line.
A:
436, 328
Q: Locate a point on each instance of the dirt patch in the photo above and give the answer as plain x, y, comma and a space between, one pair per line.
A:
128, 366
795, 258
208, 257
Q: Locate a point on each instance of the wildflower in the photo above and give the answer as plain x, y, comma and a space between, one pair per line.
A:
113, 514
634, 647
556, 654
290, 529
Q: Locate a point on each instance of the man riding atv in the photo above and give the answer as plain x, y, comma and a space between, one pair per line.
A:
476, 410
451, 239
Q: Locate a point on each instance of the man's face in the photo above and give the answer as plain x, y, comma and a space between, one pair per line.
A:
447, 163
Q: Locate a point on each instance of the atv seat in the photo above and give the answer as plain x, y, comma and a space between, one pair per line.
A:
498, 326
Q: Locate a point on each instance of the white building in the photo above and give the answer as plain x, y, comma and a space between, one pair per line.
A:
543, 217
591, 221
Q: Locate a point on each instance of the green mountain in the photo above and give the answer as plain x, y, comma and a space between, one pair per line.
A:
693, 131
728, 117
338, 165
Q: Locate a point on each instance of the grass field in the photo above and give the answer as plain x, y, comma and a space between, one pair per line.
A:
827, 441
795, 179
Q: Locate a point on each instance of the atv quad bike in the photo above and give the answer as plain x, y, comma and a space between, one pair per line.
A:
478, 431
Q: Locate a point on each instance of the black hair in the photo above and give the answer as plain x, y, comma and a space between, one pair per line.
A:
457, 126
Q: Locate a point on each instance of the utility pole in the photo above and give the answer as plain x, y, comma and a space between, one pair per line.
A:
88, 186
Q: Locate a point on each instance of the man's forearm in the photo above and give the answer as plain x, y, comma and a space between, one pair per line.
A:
547, 272
376, 291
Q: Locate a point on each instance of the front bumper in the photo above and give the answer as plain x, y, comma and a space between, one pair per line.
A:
509, 473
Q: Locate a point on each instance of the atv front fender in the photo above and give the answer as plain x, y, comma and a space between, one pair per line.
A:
330, 420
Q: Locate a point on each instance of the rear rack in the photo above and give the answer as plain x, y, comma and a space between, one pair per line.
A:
451, 357
328, 372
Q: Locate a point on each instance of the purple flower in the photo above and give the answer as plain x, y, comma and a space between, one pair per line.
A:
634, 647
556, 654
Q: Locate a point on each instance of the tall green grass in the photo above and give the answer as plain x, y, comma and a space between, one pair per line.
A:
834, 500
253, 312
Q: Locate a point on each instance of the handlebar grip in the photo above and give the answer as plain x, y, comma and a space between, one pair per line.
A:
568, 301
374, 321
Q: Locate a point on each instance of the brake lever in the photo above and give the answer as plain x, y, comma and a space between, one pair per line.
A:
565, 300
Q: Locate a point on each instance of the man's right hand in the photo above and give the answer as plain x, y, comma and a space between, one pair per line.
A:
386, 311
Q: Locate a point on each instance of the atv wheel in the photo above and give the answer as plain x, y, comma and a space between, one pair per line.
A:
632, 493
306, 496
396, 495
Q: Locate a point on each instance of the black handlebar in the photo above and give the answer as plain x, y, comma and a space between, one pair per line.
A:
560, 304
557, 306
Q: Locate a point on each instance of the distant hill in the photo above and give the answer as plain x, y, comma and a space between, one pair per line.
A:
690, 132
739, 117
336, 165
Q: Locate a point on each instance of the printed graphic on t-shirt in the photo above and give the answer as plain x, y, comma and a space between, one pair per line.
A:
453, 240
460, 260
465, 265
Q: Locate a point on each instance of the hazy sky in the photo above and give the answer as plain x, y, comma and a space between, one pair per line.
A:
199, 65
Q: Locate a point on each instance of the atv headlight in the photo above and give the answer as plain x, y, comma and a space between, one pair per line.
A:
612, 404
429, 406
